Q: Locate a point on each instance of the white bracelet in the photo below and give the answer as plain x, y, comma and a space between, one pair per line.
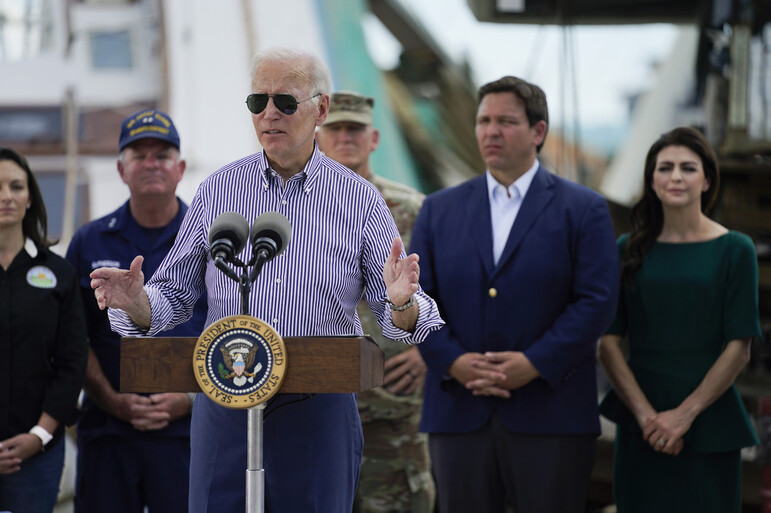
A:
40, 432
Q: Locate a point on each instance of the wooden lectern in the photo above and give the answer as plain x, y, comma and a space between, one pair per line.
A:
319, 365
314, 365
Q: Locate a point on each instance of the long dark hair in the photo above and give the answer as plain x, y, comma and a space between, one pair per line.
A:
35, 222
647, 214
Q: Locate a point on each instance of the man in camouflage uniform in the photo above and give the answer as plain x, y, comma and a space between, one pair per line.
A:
395, 470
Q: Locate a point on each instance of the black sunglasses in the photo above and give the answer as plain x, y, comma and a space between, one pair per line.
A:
286, 103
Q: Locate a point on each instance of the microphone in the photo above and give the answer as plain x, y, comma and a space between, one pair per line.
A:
271, 233
228, 235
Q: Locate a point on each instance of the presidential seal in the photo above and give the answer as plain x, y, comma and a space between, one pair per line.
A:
239, 361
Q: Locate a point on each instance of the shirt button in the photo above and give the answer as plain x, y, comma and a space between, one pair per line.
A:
278, 280
283, 202
493, 292
275, 321
265, 186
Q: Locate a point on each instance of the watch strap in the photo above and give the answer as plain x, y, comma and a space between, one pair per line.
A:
403, 307
42, 433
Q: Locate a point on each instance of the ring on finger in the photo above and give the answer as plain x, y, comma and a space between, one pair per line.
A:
661, 442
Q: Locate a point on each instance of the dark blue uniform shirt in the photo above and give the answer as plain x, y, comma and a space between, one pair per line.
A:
114, 241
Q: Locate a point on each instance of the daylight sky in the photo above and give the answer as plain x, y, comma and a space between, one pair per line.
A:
610, 62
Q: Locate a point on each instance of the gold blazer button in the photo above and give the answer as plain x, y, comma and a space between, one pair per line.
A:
493, 292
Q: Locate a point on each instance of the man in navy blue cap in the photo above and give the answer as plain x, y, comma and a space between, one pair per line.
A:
133, 450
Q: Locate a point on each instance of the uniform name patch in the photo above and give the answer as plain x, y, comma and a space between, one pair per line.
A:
104, 263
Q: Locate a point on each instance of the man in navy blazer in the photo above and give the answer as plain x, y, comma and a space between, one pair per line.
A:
524, 267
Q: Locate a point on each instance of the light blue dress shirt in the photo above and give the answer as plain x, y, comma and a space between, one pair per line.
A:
504, 206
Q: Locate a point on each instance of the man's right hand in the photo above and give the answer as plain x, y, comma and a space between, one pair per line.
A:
404, 372
123, 289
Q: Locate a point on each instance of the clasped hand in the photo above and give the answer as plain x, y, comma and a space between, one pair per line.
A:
664, 431
149, 413
493, 373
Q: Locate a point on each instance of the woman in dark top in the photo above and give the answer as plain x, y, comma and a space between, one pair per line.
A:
689, 307
43, 345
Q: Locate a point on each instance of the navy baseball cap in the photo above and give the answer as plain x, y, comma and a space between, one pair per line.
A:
145, 124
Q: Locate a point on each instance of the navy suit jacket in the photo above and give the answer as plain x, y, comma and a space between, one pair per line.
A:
556, 287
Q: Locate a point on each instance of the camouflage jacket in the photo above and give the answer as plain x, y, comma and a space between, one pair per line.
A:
404, 204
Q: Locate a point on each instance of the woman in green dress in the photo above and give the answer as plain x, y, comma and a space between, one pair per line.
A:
689, 307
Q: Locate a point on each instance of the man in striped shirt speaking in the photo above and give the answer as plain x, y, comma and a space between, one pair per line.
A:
344, 244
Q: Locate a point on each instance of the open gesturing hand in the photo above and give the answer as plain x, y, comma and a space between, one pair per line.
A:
400, 274
123, 289
118, 288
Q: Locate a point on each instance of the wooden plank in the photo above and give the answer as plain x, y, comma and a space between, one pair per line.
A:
314, 364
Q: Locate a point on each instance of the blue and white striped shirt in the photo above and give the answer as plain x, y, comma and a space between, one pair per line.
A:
341, 236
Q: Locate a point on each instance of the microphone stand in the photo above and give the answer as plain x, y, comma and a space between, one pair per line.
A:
255, 472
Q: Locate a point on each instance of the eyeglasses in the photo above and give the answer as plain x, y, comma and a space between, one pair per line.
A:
286, 103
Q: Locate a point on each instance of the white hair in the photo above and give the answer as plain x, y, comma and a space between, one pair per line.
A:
310, 66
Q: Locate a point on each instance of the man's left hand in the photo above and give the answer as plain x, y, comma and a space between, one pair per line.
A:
400, 274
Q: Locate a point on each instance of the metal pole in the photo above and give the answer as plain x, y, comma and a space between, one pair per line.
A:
255, 473
71, 183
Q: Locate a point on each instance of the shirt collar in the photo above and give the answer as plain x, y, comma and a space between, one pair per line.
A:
30, 247
308, 175
520, 186
121, 220
117, 220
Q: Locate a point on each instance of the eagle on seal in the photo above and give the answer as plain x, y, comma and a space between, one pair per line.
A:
237, 362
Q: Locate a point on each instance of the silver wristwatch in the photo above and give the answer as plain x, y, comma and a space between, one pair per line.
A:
404, 306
